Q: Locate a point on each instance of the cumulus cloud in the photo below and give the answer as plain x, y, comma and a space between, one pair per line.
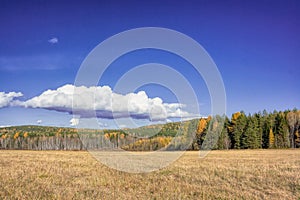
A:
53, 40
102, 102
6, 99
39, 121
74, 121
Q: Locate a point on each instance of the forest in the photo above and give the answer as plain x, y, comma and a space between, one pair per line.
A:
264, 130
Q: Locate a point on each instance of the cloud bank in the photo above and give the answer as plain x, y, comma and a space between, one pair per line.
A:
6, 99
102, 102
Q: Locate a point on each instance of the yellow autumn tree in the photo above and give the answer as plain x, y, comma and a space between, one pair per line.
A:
201, 125
16, 135
25, 135
271, 139
162, 141
234, 118
106, 135
167, 141
58, 133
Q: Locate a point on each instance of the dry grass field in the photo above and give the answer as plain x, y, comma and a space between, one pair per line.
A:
244, 174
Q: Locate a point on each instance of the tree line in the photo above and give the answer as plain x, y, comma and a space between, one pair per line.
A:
259, 130
241, 131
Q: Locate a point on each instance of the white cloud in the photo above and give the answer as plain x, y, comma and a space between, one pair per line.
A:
74, 121
53, 40
39, 121
4, 126
169, 121
102, 102
6, 99
103, 124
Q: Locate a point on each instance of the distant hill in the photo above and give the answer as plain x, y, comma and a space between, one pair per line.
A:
62, 138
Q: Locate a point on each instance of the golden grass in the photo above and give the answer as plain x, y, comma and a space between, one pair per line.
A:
249, 174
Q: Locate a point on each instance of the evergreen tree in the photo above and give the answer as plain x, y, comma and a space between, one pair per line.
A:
281, 131
259, 126
249, 136
238, 124
268, 123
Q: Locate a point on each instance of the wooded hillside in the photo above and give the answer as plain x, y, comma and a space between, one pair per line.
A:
241, 131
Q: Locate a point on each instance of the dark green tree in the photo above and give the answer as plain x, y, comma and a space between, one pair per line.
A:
250, 139
237, 127
281, 131
259, 126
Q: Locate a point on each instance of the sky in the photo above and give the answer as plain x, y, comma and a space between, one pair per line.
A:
254, 44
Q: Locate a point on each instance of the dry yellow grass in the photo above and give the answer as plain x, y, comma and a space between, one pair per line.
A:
251, 174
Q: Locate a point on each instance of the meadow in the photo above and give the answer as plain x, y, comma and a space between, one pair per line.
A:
231, 174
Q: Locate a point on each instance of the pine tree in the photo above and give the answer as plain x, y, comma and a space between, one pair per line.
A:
281, 131
249, 136
238, 128
259, 127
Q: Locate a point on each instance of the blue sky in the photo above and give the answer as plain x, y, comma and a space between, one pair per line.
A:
255, 45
